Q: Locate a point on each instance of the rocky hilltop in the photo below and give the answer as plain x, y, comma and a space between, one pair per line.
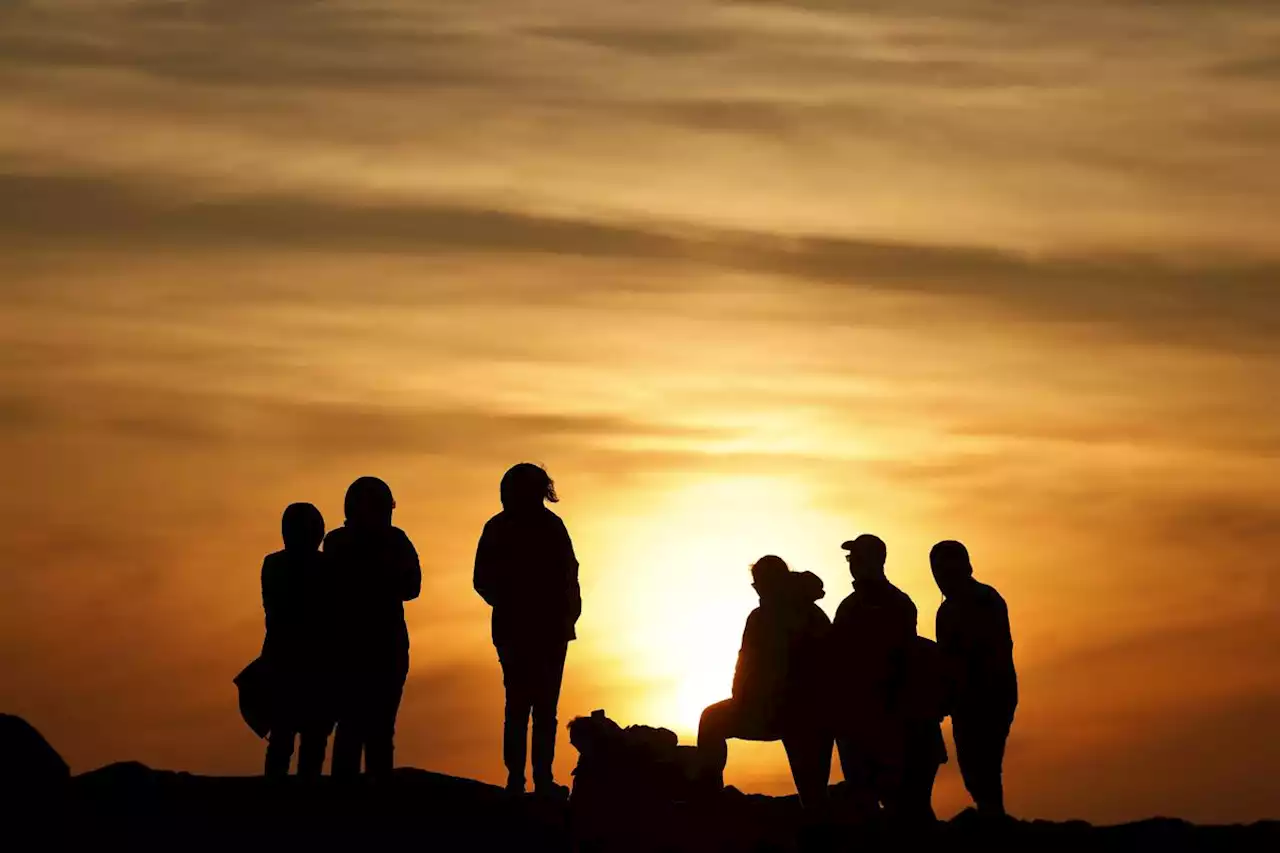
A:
132, 807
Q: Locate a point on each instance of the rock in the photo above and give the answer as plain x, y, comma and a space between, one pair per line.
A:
28, 764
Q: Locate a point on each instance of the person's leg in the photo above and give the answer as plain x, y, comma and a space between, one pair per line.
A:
714, 729
279, 751
348, 739
809, 754
980, 744
519, 705
924, 777
855, 764
384, 706
913, 801
313, 742
545, 696
997, 737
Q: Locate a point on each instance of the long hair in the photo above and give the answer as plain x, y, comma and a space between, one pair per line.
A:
527, 484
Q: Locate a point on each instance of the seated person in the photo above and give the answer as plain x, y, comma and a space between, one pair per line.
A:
777, 686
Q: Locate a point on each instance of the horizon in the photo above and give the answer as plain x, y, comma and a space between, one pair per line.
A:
746, 277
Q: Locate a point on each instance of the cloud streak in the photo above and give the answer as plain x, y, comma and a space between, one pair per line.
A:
1166, 296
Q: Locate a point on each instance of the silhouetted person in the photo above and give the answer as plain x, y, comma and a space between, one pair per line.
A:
297, 598
376, 570
977, 646
925, 703
871, 637
527, 572
778, 683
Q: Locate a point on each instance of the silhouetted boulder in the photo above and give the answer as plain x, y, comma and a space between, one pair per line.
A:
29, 766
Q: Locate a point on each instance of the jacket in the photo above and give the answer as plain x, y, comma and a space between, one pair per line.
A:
526, 570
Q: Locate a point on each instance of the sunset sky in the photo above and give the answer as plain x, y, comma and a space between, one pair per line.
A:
747, 277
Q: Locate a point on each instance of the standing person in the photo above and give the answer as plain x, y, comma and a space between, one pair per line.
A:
924, 705
977, 646
527, 572
871, 639
778, 682
376, 570
296, 597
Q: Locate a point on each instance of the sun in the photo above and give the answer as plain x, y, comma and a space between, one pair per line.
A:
679, 589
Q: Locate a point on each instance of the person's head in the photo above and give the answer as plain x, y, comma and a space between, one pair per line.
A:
302, 527
866, 557
526, 485
951, 567
369, 503
769, 576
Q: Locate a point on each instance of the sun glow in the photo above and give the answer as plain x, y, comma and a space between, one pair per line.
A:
677, 606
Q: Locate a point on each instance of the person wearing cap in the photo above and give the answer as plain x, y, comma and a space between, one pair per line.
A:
874, 629
778, 684
977, 646
376, 570
526, 570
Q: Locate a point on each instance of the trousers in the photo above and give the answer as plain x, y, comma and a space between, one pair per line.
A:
313, 742
980, 743
531, 676
808, 746
367, 709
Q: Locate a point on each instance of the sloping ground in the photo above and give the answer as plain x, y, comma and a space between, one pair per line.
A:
130, 807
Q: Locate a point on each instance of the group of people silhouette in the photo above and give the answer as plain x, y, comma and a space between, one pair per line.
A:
865, 684
337, 647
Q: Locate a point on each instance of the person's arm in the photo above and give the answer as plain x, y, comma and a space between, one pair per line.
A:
1002, 632
573, 590
744, 674
271, 594
408, 570
487, 566
952, 645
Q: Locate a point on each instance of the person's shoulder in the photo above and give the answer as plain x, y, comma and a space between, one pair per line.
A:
336, 539
549, 517
846, 606
275, 562
399, 536
817, 615
987, 592
901, 597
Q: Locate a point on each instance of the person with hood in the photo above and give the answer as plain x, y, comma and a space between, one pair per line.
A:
777, 685
874, 629
297, 599
977, 646
527, 572
376, 570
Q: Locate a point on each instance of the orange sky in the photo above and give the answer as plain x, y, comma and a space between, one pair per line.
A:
748, 277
